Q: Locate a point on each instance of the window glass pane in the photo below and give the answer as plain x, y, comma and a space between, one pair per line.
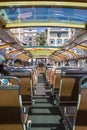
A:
30, 34
57, 14
52, 41
52, 34
64, 34
65, 40
59, 41
59, 34
30, 43
30, 38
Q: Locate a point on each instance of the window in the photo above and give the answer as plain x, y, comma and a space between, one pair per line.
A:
59, 41
30, 34
52, 41
25, 34
30, 43
30, 38
65, 40
59, 34
66, 28
53, 34
25, 39
30, 29
64, 34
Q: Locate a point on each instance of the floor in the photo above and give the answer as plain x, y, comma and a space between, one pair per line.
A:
43, 114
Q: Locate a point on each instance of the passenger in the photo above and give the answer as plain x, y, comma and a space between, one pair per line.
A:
18, 63
3, 70
67, 64
59, 64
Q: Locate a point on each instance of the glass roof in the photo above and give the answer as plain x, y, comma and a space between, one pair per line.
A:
48, 14
45, 14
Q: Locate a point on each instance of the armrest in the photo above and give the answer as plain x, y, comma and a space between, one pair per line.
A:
25, 118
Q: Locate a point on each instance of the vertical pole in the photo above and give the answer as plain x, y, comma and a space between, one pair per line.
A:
19, 22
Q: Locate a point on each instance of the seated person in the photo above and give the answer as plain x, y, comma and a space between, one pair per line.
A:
3, 70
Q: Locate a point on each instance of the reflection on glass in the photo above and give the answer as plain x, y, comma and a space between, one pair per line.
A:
49, 14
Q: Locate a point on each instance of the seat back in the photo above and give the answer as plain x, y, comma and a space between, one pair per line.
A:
57, 80
10, 107
81, 116
58, 72
48, 73
69, 91
70, 86
26, 86
41, 69
34, 78
52, 78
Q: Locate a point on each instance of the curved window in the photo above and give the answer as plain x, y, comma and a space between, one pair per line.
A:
63, 15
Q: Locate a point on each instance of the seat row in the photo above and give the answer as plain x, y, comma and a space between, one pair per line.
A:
66, 90
12, 115
28, 80
16, 98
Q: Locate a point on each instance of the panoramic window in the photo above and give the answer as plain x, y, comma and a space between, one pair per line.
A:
63, 15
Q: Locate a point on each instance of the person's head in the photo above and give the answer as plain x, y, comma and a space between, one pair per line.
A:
18, 63
3, 69
2, 60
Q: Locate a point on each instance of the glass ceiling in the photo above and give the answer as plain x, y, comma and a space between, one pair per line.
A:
44, 14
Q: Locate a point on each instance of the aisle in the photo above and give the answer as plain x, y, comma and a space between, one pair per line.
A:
44, 114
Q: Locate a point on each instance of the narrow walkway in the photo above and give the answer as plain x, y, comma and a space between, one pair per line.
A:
44, 114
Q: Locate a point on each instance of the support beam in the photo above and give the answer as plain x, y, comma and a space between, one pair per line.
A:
44, 3
45, 24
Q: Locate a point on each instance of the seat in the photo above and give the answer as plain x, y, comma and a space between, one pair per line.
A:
81, 116
57, 81
41, 70
26, 86
69, 91
58, 72
11, 116
52, 75
48, 73
70, 86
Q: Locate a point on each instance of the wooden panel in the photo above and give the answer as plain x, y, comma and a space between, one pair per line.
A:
81, 119
69, 90
57, 81
48, 73
52, 77
10, 115
25, 89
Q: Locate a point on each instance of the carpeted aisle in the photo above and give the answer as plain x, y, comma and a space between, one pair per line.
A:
43, 113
